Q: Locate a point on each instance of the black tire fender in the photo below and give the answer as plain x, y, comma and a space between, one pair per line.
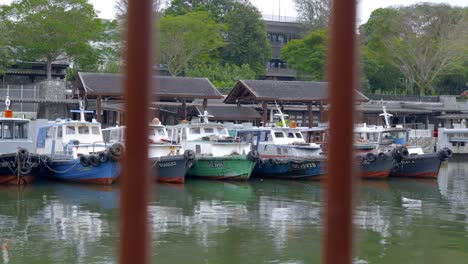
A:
371, 157
103, 157
84, 161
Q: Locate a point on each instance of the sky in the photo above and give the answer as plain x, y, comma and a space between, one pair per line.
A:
286, 7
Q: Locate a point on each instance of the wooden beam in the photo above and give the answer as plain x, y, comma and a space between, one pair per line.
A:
265, 113
205, 104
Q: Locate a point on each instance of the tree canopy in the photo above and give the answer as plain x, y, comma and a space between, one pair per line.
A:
188, 38
53, 30
308, 55
421, 44
314, 13
245, 34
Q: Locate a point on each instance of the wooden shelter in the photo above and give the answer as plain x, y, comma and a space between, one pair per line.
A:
109, 87
264, 92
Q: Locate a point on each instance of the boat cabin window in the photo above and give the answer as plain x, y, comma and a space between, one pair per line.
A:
279, 134
21, 130
95, 130
195, 130
390, 137
264, 136
208, 130
290, 135
59, 132
7, 130
221, 131
83, 130
298, 135
50, 132
70, 130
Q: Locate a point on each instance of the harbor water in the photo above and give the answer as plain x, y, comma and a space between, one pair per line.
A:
260, 221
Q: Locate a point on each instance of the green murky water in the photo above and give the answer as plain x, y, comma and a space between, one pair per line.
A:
397, 221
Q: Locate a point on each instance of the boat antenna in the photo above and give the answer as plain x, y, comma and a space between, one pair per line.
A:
386, 115
205, 116
281, 115
7, 102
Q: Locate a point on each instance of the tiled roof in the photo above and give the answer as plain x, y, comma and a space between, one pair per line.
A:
168, 86
281, 91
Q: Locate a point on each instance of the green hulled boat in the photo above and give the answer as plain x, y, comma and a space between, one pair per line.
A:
219, 156
234, 167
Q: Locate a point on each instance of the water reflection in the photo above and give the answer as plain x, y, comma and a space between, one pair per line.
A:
269, 221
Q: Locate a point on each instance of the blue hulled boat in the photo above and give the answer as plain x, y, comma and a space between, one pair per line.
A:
283, 152
74, 150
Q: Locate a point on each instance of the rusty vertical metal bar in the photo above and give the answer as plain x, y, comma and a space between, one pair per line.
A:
338, 235
135, 181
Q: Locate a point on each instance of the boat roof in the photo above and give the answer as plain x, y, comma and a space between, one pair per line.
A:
270, 128
14, 119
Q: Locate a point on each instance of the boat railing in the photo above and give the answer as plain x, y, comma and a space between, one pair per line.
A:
97, 142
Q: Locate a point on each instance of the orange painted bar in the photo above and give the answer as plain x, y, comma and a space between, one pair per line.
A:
135, 181
338, 234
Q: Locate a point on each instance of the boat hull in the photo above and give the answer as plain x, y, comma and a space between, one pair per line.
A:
379, 168
171, 169
28, 166
288, 168
419, 166
235, 167
73, 171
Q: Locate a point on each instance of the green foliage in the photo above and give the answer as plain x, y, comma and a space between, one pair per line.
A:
247, 38
223, 77
53, 29
417, 49
245, 35
279, 123
189, 39
5, 49
308, 55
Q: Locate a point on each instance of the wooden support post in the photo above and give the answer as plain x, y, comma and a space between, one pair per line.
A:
205, 104
98, 109
135, 191
184, 109
322, 118
311, 115
265, 113
343, 76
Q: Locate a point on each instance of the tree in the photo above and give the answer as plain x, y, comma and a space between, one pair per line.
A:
247, 39
423, 41
188, 38
308, 55
315, 13
52, 30
5, 49
223, 77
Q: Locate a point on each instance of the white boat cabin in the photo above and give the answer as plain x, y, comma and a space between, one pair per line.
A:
207, 139
13, 132
70, 137
384, 138
456, 138
278, 142
159, 143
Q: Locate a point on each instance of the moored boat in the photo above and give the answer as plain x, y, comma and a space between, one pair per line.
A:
75, 151
169, 162
18, 165
283, 152
218, 155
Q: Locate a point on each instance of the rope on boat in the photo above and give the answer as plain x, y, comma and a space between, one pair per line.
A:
56, 171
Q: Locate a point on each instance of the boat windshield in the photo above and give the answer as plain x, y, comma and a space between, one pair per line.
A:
13, 130
371, 137
157, 132
393, 137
